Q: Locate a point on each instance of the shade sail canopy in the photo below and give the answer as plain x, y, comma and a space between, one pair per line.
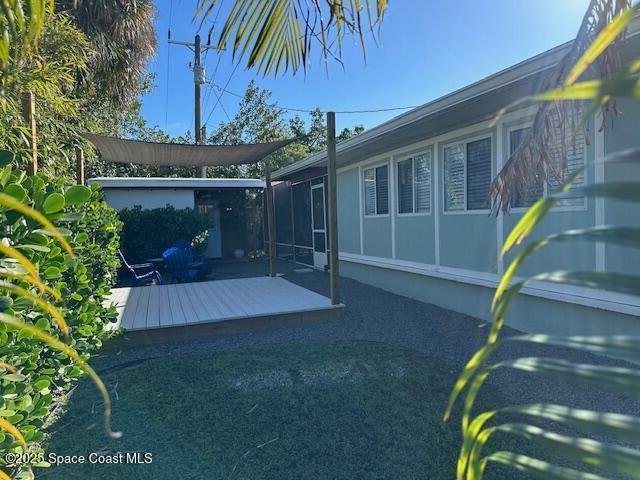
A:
120, 150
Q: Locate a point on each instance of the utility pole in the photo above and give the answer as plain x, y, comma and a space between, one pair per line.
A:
199, 78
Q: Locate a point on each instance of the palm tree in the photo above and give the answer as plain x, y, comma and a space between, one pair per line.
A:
123, 38
275, 35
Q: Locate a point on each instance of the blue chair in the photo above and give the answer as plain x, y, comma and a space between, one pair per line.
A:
179, 261
142, 273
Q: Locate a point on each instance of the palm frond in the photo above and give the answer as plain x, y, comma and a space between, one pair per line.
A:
613, 457
277, 35
545, 147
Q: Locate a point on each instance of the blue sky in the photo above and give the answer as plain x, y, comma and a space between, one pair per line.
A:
427, 49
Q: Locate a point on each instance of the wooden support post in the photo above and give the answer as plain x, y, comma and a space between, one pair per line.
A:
79, 165
333, 208
271, 224
29, 114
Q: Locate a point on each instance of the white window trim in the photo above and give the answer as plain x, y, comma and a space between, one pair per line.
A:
412, 157
375, 198
508, 154
545, 184
484, 211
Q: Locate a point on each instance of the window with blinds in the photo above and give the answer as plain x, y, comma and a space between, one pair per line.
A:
376, 190
467, 175
454, 167
574, 151
478, 174
382, 190
414, 184
520, 196
370, 192
422, 176
405, 186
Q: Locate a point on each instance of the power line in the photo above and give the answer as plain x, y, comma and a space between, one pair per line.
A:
206, 53
222, 105
206, 122
303, 110
210, 85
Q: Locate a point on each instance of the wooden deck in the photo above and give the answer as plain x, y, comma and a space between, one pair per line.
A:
160, 307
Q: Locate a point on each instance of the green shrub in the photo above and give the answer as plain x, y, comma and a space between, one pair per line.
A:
148, 233
33, 375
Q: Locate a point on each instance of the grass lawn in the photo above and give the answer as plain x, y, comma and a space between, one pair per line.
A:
301, 411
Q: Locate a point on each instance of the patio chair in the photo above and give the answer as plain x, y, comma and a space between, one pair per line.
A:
179, 261
142, 273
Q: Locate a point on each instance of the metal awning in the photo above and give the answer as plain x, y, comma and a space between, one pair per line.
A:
120, 150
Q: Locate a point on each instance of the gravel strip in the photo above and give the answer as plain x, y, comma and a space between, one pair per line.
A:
373, 314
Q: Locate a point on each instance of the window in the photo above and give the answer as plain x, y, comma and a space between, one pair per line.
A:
414, 184
573, 150
536, 189
467, 175
376, 190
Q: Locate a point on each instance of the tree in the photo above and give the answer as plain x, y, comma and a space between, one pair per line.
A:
257, 120
123, 38
346, 134
50, 73
260, 120
77, 85
317, 134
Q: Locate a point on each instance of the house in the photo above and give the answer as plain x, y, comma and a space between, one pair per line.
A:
233, 205
412, 206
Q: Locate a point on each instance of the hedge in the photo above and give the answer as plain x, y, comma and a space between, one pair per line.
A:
34, 377
149, 232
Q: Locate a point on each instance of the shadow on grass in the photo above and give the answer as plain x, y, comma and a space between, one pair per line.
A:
300, 411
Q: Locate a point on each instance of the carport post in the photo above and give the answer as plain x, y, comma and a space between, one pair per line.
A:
271, 226
333, 208
29, 114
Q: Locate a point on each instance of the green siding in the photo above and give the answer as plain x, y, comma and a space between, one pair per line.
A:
377, 236
348, 211
557, 256
623, 134
415, 240
527, 313
469, 241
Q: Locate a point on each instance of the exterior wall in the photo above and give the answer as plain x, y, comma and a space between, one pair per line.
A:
451, 259
527, 313
623, 134
349, 213
120, 198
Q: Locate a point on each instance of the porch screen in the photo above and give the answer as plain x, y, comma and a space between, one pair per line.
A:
282, 201
302, 235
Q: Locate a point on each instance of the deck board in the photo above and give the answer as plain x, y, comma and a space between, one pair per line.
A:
165, 306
